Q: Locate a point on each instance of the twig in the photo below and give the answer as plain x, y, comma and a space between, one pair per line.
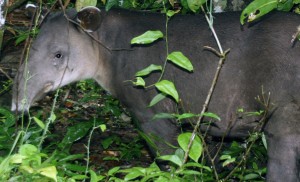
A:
2, 71
222, 56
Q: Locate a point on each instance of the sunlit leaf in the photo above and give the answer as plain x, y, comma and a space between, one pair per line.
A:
172, 158
148, 70
195, 5
257, 9
211, 115
196, 148
84, 3
163, 116
39, 122
159, 97
148, 37
139, 82
167, 87
49, 172
180, 60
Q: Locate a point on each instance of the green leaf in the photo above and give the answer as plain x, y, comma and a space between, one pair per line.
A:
180, 60
196, 148
112, 171
49, 172
257, 9
133, 174
264, 140
159, 97
163, 116
39, 122
285, 5
228, 161
148, 37
148, 70
9, 117
84, 3
251, 176
102, 127
172, 158
195, 5
168, 88
212, 115
111, 3
186, 116
139, 82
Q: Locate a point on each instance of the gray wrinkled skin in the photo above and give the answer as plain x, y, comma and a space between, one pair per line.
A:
261, 56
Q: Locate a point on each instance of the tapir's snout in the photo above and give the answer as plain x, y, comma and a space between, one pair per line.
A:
23, 98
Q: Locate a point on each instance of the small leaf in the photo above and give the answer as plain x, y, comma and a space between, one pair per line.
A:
171, 13
185, 116
148, 70
167, 87
194, 5
257, 9
49, 172
102, 127
148, 37
159, 97
133, 174
180, 60
212, 115
39, 122
196, 148
163, 116
172, 158
84, 3
112, 171
139, 82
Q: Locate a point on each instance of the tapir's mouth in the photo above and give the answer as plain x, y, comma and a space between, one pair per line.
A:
48, 87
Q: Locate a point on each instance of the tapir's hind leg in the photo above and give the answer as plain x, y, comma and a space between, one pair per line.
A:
164, 135
283, 162
283, 136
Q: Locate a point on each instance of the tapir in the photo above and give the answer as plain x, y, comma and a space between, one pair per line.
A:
264, 59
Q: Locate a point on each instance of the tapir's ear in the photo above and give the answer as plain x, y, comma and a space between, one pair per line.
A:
89, 18
31, 12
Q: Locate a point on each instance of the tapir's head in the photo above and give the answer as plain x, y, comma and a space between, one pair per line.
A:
62, 53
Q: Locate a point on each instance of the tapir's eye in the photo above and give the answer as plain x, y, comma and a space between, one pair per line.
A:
58, 55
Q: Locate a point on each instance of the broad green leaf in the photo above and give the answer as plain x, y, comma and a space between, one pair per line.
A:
285, 5
133, 174
39, 122
110, 3
148, 37
196, 148
251, 176
102, 127
112, 171
49, 172
139, 82
186, 116
212, 115
172, 158
168, 88
163, 116
180, 60
159, 97
28, 150
148, 70
195, 5
264, 140
84, 3
257, 9
9, 118
171, 13
228, 161
198, 165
